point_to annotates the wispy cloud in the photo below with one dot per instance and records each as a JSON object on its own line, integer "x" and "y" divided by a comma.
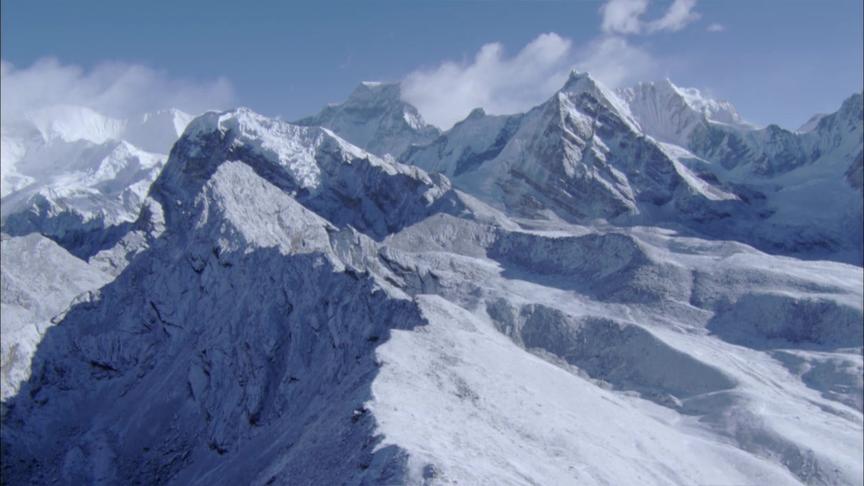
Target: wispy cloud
{"x": 503, "y": 84}
{"x": 114, "y": 89}
{"x": 492, "y": 80}
{"x": 616, "y": 62}
{"x": 678, "y": 16}
{"x": 625, "y": 17}
{"x": 716, "y": 28}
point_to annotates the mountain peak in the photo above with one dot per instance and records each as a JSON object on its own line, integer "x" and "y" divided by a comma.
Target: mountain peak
{"x": 375, "y": 118}
{"x": 665, "y": 91}
{"x": 477, "y": 113}
{"x": 71, "y": 123}
{"x": 376, "y": 92}
{"x": 580, "y": 82}
{"x": 156, "y": 131}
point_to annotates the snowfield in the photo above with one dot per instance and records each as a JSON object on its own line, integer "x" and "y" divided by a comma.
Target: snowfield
{"x": 609, "y": 289}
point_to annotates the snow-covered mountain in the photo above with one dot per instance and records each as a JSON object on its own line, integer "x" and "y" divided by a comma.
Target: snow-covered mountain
{"x": 70, "y": 172}
{"x": 81, "y": 179}
{"x": 375, "y": 118}
{"x": 554, "y": 297}
{"x": 671, "y": 114}
{"x": 584, "y": 155}
{"x": 580, "y": 156}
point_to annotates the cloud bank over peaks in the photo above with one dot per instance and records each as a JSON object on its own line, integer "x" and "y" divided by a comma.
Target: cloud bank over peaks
{"x": 502, "y": 84}
{"x": 113, "y": 89}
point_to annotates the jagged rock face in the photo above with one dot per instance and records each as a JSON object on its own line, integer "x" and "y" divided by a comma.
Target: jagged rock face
{"x": 584, "y": 155}
{"x": 578, "y": 155}
{"x": 39, "y": 280}
{"x": 337, "y": 180}
{"x": 773, "y": 151}
{"x": 376, "y": 119}
{"x": 254, "y": 353}
{"x": 466, "y": 146}
{"x": 764, "y": 152}
{"x": 715, "y": 131}
{"x": 786, "y": 169}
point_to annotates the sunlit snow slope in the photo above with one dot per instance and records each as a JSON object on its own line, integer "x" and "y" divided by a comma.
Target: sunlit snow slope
{"x": 555, "y": 297}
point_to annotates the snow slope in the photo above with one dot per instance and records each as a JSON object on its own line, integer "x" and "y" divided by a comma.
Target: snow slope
{"x": 580, "y": 305}
{"x": 308, "y": 313}
{"x": 671, "y": 114}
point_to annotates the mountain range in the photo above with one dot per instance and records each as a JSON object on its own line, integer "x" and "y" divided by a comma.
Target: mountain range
{"x": 614, "y": 287}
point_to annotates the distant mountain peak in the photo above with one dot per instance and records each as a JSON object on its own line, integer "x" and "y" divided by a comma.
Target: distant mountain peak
{"x": 581, "y": 82}
{"x": 719, "y": 111}
{"x": 477, "y": 113}
{"x": 375, "y": 118}
{"x": 376, "y": 92}
{"x": 671, "y": 113}
{"x": 70, "y": 123}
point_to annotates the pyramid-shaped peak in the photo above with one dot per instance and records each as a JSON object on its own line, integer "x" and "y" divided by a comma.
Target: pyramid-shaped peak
{"x": 582, "y": 82}
{"x": 375, "y": 118}
{"x": 579, "y": 81}
{"x": 376, "y": 90}
{"x": 477, "y": 113}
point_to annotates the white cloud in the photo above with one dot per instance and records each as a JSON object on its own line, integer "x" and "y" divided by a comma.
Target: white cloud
{"x": 500, "y": 84}
{"x": 616, "y": 63}
{"x": 625, "y": 17}
{"x": 114, "y": 89}
{"x": 680, "y": 14}
{"x": 716, "y": 28}
{"x": 491, "y": 80}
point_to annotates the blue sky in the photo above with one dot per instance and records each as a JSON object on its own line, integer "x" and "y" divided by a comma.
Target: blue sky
{"x": 776, "y": 60}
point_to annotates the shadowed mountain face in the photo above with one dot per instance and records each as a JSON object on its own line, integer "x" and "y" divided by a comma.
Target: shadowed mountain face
{"x": 554, "y": 297}
{"x": 253, "y": 344}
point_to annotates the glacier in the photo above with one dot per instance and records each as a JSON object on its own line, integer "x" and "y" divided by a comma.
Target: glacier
{"x": 615, "y": 287}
